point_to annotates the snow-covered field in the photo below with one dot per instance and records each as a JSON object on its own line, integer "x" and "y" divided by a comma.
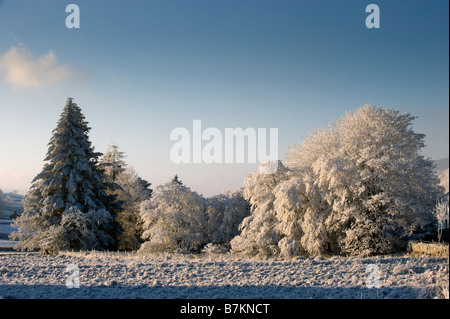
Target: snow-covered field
{"x": 112, "y": 275}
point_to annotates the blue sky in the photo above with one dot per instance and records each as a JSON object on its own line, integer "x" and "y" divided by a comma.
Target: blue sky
{"x": 139, "y": 69}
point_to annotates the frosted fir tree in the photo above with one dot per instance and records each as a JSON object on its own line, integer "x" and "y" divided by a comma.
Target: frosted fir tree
{"x": 130, "y": 191}
{"x": 112, "y": 162}
{"x": 176, "y": 180}
{"x": 70, "y": 190}
{"x": 174, "y": 219}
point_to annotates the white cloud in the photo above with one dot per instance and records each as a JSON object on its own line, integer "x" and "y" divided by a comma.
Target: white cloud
{"x": 21, "y": 69}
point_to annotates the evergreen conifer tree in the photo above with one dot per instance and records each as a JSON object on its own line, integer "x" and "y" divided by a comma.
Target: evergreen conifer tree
{"x": 130, "y": 190}
{"x": 113, "y": 163}
{"x": 67, "y": 206}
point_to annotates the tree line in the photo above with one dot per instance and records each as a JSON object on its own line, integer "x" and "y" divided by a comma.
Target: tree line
{"x": 357, "y": 187}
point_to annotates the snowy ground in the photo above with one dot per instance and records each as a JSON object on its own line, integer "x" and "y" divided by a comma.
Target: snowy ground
{"x": 103, "y": 275}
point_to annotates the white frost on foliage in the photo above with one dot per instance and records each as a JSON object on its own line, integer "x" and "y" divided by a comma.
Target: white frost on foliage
{"x": 68, "y": 191}
{"x": 225, "y": 212}
{"x": 354, "y": 188}
{"x": 173, "y": 219}
{"x": 374, "y": 184}
{"x": 259, "y": 235}
{"x": 84, "y": 229}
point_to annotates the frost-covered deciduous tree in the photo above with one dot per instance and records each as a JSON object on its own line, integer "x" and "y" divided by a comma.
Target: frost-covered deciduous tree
{"x": 278, "y": 205}
{"x": 69, "y": 184}
{"x": 367, "y": 183}
{"x": 259, "y": 234}
{"x": 440, "y": 213}
{"x": 225, "y": 212}
{"x": 290, "y": 206}
{"x": 174, "y": 219}
{"x": 355, "y": 188}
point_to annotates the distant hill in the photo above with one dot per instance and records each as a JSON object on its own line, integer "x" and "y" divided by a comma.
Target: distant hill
{"x": 442, "y": 164}
{"x": 14, "y": 196}
{"x": 12, "y": 204}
